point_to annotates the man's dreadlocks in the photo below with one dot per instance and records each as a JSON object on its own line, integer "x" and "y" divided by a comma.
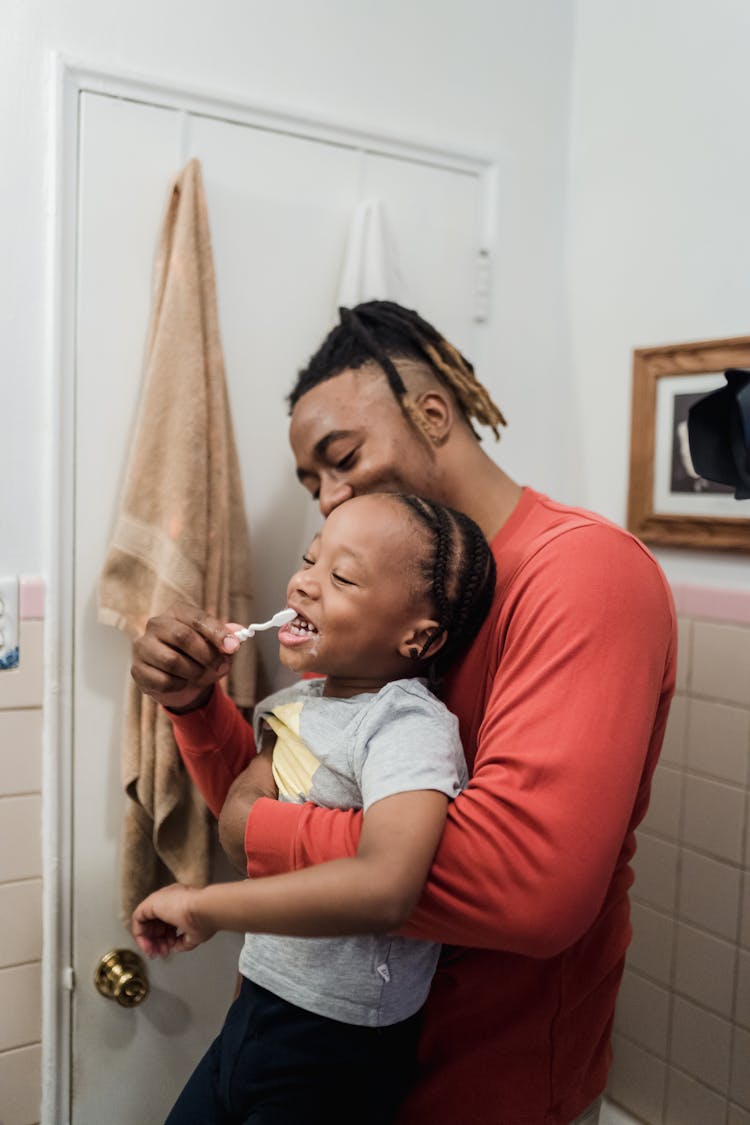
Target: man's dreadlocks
{"x": 381, "y": 332}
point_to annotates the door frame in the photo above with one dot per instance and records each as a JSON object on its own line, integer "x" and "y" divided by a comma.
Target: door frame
{"x": 69, "y": 79}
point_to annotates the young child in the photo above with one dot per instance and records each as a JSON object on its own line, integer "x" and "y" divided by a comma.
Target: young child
{"x": 326, "y": 1024}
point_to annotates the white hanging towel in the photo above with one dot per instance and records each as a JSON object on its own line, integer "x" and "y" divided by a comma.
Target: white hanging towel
{"x": 371, "y": 267}
{"x": 371, "y": 272}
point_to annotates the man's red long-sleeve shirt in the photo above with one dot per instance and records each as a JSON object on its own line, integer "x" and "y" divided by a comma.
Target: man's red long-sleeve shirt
{"x": 562, "y": 702}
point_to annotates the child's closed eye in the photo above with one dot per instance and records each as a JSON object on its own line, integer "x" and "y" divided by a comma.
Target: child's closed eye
{"x": 340, "y": 578}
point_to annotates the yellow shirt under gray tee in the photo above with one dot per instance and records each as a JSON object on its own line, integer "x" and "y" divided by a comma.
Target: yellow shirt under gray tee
{"x": 349, "y": 753}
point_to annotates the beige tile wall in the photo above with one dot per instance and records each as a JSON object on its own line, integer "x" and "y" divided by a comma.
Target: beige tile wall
{"x": 21, "y": 881}
{"x": 682, "y": 1029}
{"x": 682, "y": 1032}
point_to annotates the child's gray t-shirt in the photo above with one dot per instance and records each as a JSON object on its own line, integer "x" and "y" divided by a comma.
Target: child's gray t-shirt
{"x": 361, "y": 749}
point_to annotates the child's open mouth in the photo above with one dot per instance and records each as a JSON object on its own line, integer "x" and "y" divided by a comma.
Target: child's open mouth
{"x": 297, "y": 631}
{"x": 302, "y": 625}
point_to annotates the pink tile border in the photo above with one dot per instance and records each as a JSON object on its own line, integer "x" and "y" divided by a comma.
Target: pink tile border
{"x": 712, "y": 603}
{"x": 691, "y": 601}
{"x": 31, "y": 598}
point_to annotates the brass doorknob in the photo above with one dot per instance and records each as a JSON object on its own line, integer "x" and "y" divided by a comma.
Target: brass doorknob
{"x": 121, "y": 976}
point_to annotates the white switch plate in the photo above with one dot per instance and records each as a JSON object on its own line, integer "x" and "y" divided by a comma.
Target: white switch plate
{"x": 9, "y": 622}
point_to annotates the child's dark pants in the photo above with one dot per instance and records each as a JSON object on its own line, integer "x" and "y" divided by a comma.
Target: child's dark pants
{"x": 276, "y": 1064}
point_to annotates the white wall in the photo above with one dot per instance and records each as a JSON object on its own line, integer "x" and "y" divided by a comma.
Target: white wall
{"x": 659, "y": 230}
{"x": 482, "y": 74}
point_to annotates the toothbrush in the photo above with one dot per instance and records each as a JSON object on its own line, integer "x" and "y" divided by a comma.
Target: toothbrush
{"x": 283, "y": 617}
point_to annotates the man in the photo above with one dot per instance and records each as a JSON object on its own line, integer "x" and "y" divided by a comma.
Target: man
{"x": 562, "y": 702}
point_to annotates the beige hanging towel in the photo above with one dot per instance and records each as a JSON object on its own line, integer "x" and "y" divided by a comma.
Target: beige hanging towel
{"x": 181, "y": 534}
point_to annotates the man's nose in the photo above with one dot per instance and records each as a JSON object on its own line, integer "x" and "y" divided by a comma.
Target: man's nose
{"x": 333, "y": 493}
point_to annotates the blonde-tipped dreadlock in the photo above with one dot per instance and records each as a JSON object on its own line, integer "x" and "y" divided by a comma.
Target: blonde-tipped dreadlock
{"x": 382, "y": 331}
{"x": 473, "y": 396}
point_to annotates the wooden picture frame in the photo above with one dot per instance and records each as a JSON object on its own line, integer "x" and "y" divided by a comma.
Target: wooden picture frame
{"x": 668, "y": 505}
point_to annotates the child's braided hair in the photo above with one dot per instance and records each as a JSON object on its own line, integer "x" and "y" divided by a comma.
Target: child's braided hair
{"x": 460, "y": 576}
{"x": 382, "y": 331}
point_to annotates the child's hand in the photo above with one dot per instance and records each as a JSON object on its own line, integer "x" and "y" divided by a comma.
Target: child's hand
{"x": 166, "y": 922}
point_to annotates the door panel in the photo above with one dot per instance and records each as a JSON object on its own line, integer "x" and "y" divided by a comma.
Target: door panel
{"x": 434, "y": 215}
{"x": 120, "y": 1065}
{"x": 279, "y": 208}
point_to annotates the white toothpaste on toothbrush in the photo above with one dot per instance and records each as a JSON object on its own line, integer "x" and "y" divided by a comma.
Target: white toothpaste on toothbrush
{"x": 283, "y": 617}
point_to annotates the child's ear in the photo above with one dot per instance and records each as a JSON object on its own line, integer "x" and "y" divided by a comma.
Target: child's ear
{"x": 419, "y": 635}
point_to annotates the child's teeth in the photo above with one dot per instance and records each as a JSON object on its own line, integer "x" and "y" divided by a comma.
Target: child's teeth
{"x": 301, "y": 627}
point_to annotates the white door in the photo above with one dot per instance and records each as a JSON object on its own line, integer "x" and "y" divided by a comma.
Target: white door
{"x": 279, "y": 207}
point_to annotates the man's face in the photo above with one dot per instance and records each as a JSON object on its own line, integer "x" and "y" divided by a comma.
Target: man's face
{"x": 350, "y": 437}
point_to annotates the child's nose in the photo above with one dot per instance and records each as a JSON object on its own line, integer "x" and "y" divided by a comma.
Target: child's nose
{"x": 304, "y": 582}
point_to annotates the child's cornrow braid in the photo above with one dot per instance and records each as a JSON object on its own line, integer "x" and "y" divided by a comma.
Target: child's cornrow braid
{"x": 382, "y": 331}
{"x": 443, "y": 530}
{"x": 477, "y": 545}
{"x": 476, "y": 580}
{"x": 462, "y": 576}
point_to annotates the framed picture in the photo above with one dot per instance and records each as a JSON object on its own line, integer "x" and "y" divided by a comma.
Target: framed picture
{"x": 668, "y": 503}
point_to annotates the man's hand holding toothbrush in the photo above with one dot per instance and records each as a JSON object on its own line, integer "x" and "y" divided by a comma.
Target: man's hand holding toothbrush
{"x": 181, "y": 655}
{"x": 184, "y": 651}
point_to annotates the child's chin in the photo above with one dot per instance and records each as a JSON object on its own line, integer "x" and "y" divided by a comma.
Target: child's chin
{"x": 297, "y": 661}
